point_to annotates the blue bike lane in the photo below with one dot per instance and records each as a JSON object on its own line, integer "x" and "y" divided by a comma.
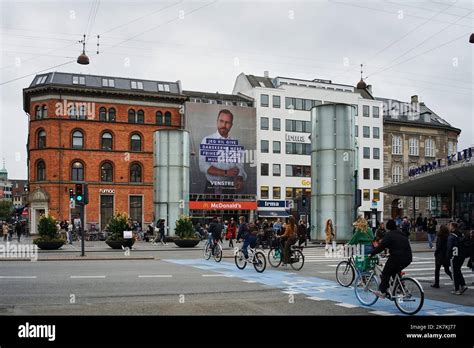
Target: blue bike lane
{"x": 318, "y": 289}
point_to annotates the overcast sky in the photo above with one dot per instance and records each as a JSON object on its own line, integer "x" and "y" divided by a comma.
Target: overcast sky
{"x": 407, "y": 47}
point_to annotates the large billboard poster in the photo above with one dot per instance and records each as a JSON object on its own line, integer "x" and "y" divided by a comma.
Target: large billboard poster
{"x": 223, "y": 148}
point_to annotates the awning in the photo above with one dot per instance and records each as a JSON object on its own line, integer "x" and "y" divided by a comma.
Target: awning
{"x": 273, "y": 213}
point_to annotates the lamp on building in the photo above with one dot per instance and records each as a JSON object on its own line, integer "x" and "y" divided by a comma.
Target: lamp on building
{"x": 83, "y": 59}
{"x": 471, "y": 38}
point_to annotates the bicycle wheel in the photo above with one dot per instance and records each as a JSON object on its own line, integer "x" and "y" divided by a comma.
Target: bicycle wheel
{"x": 345, "y": 273}
{"x": 296, "y": 259}
{"x": 218, "y": 253}
{"x": 207, "y": 251}
{"x": 239, "y": 259}
{"x": 409, "y": 296}
{"x": 364, "y": 287}
{"x": 274, "y": 257}
{"x": 259, "y": 262}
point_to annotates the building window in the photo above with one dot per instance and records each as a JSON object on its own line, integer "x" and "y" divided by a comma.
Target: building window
{"x": 276, "y": 101}
{"x": 77, "y": 171}
{"x": 38, "y": 112}
{"x": 131, "y": 116}
{"x": 264, "y": 169}
{"x": 376, "y": 132}
{"x": 366, "y": 152}
{"x": 106, "y": 141}
{"x": 40, "y": 171}
{"x": 429, "y": 148}
{"x": 159, "y": 118}
{"x": 376, "y": 195}
{"x": 78, "y": 80}
{"x": 396, "y": 174}
{"x": 276, "y": 124}
{"x": 102, "y": 114}
{"x": 289, "y": 192}
{"x": 135, "y": 173}
{"x": 356, "y": 109}
{"x": 376, "y": 174}
{"x": 289, "y": 103}
{"x": 396, "y": 145}
{"x": 298, "y": 171}
{"x": 136, "y": 209}
{"x": 375, "y": 112}
{"x": 106, "y": 210}
{"x": 376, "y": 153}
{"x": 72, "y": 112}
{"x": 135, "y": 142}
{"x": 276, "y": 170}
{"x": 163, "y": 87}
{"x": 108, "y": 83}
{"x": 298, "y": 126}
{"x": 366, "y": 173}
{"x": 137, "y": 85}
{"x": 140, "y": 117}
{"x": 276, "y": 192}
{"x": 413, "y": 148}
{"x": 41, "y": 139}
{"x": 451, "y": 148}
{"x": 365, "y": 111}
{"x": 264, "y": 100}
{"x": 276, "y": 147}
{"x": 264, "y": 123}
{"x": 111, "y": 115}
{"x": 264, "y": 146}
{"x": 298, "y": 149}
{"x": 356, "y": 131}
{"x": 366, "y": 132}
{"x": 167, "y": 118}
{"x": 264, "y": 192}
{"x": 366, "y": 195}
{"x": 106, "y": 172}
{"x": 77, "y": 140}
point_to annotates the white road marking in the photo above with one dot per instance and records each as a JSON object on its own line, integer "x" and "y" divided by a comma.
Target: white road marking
{"x": 346, "y": 305}
{"x": 88, "y": 277}
{"x": 381, "y": 313}
{"x": 155, "y": 276}
{"x": 249, "y": 281}
{"x": 314, "y": 298}
{"x": 18, "y": 277}
{"x": 217, "y": 275}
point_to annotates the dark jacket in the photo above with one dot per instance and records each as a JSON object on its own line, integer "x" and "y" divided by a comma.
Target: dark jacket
{"x": 215, "y": 228}
{"x": 301, "y": 231}
{"x": 454, "y": 241}
{"x": 440, "y": 253}
{"x": 398, "y": 244}
{"x": 243, "y": 232}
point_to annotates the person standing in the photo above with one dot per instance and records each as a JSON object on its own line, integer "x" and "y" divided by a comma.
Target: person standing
{"x": 456, "y": 255}
{"x": 419, "y": 223}
{"x": 18, "y": 230}
{"x": 69, "y": 231}
{"x": 379, "y": 234}
{"x": 5, "y": 231}
{"x": 405, "y": 226}
{"x": 231, "y": 232}
{"x": 441, "y": 252}
{"x": 330, "y": 233}
{"x": 302, "y": 234}
{"x": 431, "y": 229}
{"x": 161, "y": 230}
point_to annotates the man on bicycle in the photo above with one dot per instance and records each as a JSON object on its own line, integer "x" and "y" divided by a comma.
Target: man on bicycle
{"x": 215, "y": 231}
{"x": 245, "y": 234}
{"x": 400, "y": 257}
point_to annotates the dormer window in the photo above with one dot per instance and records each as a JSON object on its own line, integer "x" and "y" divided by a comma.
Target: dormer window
{"x": 108, "y": 83}
{"x": 163, "y": 87}
{"x": 137, "y": 85}
{"x": 78, "y": 80}
{"x": 41, "y": 79}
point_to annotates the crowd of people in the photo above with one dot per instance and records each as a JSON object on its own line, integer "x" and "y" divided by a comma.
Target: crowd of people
{"x": 8, "y": 230}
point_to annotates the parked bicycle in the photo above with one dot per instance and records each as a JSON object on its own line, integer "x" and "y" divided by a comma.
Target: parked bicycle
{"x": 275, "y": 255}
{"x": 406, "y": 292}
{"x": 215, "y": 251}
{"x": 256, "y": 257}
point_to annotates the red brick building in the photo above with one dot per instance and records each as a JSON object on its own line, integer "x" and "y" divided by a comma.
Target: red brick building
{"x": 97, "y": 130}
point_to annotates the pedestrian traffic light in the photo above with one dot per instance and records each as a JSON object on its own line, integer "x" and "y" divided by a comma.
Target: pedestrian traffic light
{"x": 71, "y": 194}
{"x": 79, "y": 194}
{"x": 303, "y": 201}
{"x": 86, "y": 194}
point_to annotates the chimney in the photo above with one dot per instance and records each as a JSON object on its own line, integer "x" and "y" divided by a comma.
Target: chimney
{"x": 414, "y": 99}
{"x": 266, "y": 73}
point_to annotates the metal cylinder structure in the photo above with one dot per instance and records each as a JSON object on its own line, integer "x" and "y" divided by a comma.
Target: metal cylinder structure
{"x": 332, "y": 169}
{"x": 170, "y": 175}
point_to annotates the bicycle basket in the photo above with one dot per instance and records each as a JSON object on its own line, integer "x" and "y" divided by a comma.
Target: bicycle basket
{"x": 365, "y": 263}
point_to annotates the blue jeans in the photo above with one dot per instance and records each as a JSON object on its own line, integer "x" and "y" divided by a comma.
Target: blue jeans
{"x": 250, "y": 240}
{"x": 431, "y": 238}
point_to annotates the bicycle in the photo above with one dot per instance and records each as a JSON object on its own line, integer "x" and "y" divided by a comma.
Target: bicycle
{"x": 345, "y": 272}
{"x": 216, "y": 251}
{"x": 255, "y": 257}
{"x": 275, "y": 256}
{"x": 402, "y": 290}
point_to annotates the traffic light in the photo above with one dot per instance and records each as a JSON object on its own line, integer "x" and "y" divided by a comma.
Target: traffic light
{"x": 71, "y": 194}
{"x": 79, "y": 194}
{"x": 86, "y": 194}
{"x": 303, "y": 201}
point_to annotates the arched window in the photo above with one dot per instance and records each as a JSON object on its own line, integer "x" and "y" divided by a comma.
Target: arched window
{"x": 82, "y": 112}
{"x": 131, "y": 116}
{"x": 396, "y": 145}
{"x": 413, "y": 148}
{"x": 72, "y": 111}
{"x": 135, "y": 142}
{"x": 40, "y": 171}
{"x": 38, "y": 112}
{"x": 112, "y": 114}
{"x": 77, "y": 140}
{"x": 103, "y": 114}
{"x": 429, "y": 148}
{"x": 140, "y": 116}
{"x": 77, "y": 171}
{"x": 396, "y": 174}
{"x": 159, "y": 118}
{"x": 167, "y": 118}
{"x": 106, "y": 172}
{"x": 41, "y": 139}
{"x": 135, "y": 173}
{"x": 44, "y": 111}
{"x": 106, "y": 141}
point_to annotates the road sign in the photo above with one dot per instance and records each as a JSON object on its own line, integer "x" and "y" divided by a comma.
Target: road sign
{"x": 72, "y": 203}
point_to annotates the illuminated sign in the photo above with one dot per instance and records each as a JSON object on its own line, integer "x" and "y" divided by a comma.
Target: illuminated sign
{"x": 222, "y": 205}
{"x": 461, "y": 156}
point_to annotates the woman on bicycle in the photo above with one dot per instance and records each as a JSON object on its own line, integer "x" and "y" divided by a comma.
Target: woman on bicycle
{"x": 288, "y": 239}
{"x": 400, "y": 257}
{"x": 363, "y": 235}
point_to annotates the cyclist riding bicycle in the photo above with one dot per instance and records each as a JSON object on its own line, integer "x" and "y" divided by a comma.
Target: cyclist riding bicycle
{"x": 288, "y": 239}
{"x": 215, "y": 231}
{"x": 400, "y": 257}
{"x": 249, "y": 238}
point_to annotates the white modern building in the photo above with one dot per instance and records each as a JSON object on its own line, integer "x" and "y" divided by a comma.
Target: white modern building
{"x": 283, "y": 135}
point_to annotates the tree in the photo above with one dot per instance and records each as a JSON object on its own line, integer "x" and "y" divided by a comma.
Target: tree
{"x": 6, "y": 208}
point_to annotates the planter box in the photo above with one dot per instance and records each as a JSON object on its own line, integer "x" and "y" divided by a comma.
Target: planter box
{"x": 118, "y": 244}
{"x": 49, "y": 245}
{"x": 186, "y": 243}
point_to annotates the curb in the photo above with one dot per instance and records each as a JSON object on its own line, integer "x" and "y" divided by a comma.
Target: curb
{"x": 86, "y": 259}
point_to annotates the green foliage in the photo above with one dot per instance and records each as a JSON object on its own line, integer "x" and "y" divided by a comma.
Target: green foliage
{"x": 6, "y": 208}
{"x": 47, "y": 230}
{"x": 116, "y": 226}
{"x": 184, "y": 228}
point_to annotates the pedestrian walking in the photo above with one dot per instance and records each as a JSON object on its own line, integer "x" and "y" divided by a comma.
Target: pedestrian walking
{"x": 419, "y": 223}
{"x": 69, "y": 231}
{"x": 470, "y": 263}
{"x": 441, "y": 255}
{"x": 5, "y": 231}
{"x": 18, "y": 230}
{"x": 231, "y": 232}
{"x": 456, "y": 254}
{"x": 406, "y": 226}
{"x": 161, "y": 229}
{"x": 330, "y": 233}
{"x": 431, "y": 229}
{"x": 301, "y": 232}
